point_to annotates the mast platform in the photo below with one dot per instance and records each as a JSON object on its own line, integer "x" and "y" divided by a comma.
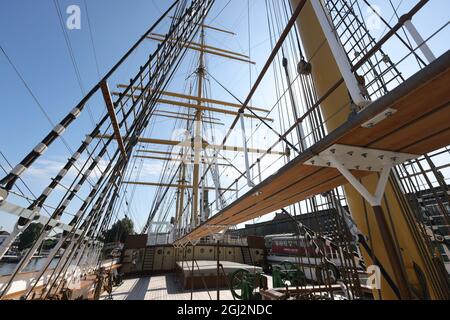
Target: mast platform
{"x": 418, "y": 125}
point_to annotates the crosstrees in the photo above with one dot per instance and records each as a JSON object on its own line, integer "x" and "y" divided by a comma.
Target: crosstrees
{"x": 204, "y": 145}
{"x": 203, "y": 99}
{"x": 202, "y": 108}
{"x": 207, "y": 49}
{"x": 205, "y": 46}
{"x": 157, "y": 184}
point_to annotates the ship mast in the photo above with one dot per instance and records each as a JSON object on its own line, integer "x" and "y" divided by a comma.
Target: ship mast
{"x": 198, "y": 132}
{"x": 313, "y": 17}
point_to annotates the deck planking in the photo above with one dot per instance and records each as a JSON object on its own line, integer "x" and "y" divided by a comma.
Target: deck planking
{"x": 161, "y": 287}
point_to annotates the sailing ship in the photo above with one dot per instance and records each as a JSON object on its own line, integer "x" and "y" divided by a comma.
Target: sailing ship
{"x": 358, "y": 127}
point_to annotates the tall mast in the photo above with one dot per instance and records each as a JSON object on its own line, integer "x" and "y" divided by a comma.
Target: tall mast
{"x": 180, "y": 195}
{"x": 198, "y": 132}
{"x": 201, "y": 104}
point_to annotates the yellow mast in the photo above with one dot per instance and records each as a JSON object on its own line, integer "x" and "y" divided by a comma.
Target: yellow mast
{"x": 394, "y": 237}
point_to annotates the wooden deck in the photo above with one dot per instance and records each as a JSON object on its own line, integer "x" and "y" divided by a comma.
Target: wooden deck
{"x": 163, "y": 287}
{"x": 420, "y": 125}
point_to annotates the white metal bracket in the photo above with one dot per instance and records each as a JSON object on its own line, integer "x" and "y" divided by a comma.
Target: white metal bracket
{"x": 374, "y": 200}
{"x": 421, "y": 43}
{"x": 379, "y": 118}
{"x": 339, "y": 53}
{"x": 346, "y": 158}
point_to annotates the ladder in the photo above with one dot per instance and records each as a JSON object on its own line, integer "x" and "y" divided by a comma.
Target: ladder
{"x": 247, "y": 256}
{"x": 148, "y": 261}
{"x": 378, "y": 71}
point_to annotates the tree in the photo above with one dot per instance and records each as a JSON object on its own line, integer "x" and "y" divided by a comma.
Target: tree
{"x": 29, "y": 236}
{"x": 119, "y": 231}
{"x": 49, "y": 244}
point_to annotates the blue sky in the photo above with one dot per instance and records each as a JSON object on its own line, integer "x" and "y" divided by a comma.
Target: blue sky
{"x": 30, "y": 33}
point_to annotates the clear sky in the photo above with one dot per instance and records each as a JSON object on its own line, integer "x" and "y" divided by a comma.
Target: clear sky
{"x": 31, "y": 34}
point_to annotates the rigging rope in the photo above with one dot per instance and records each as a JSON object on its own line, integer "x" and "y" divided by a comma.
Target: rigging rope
{"x": 72, "y": 56}
{"x": 97, "y": 215}
{"x": 91, "y": 36}
{"x": 38, "y": 103}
